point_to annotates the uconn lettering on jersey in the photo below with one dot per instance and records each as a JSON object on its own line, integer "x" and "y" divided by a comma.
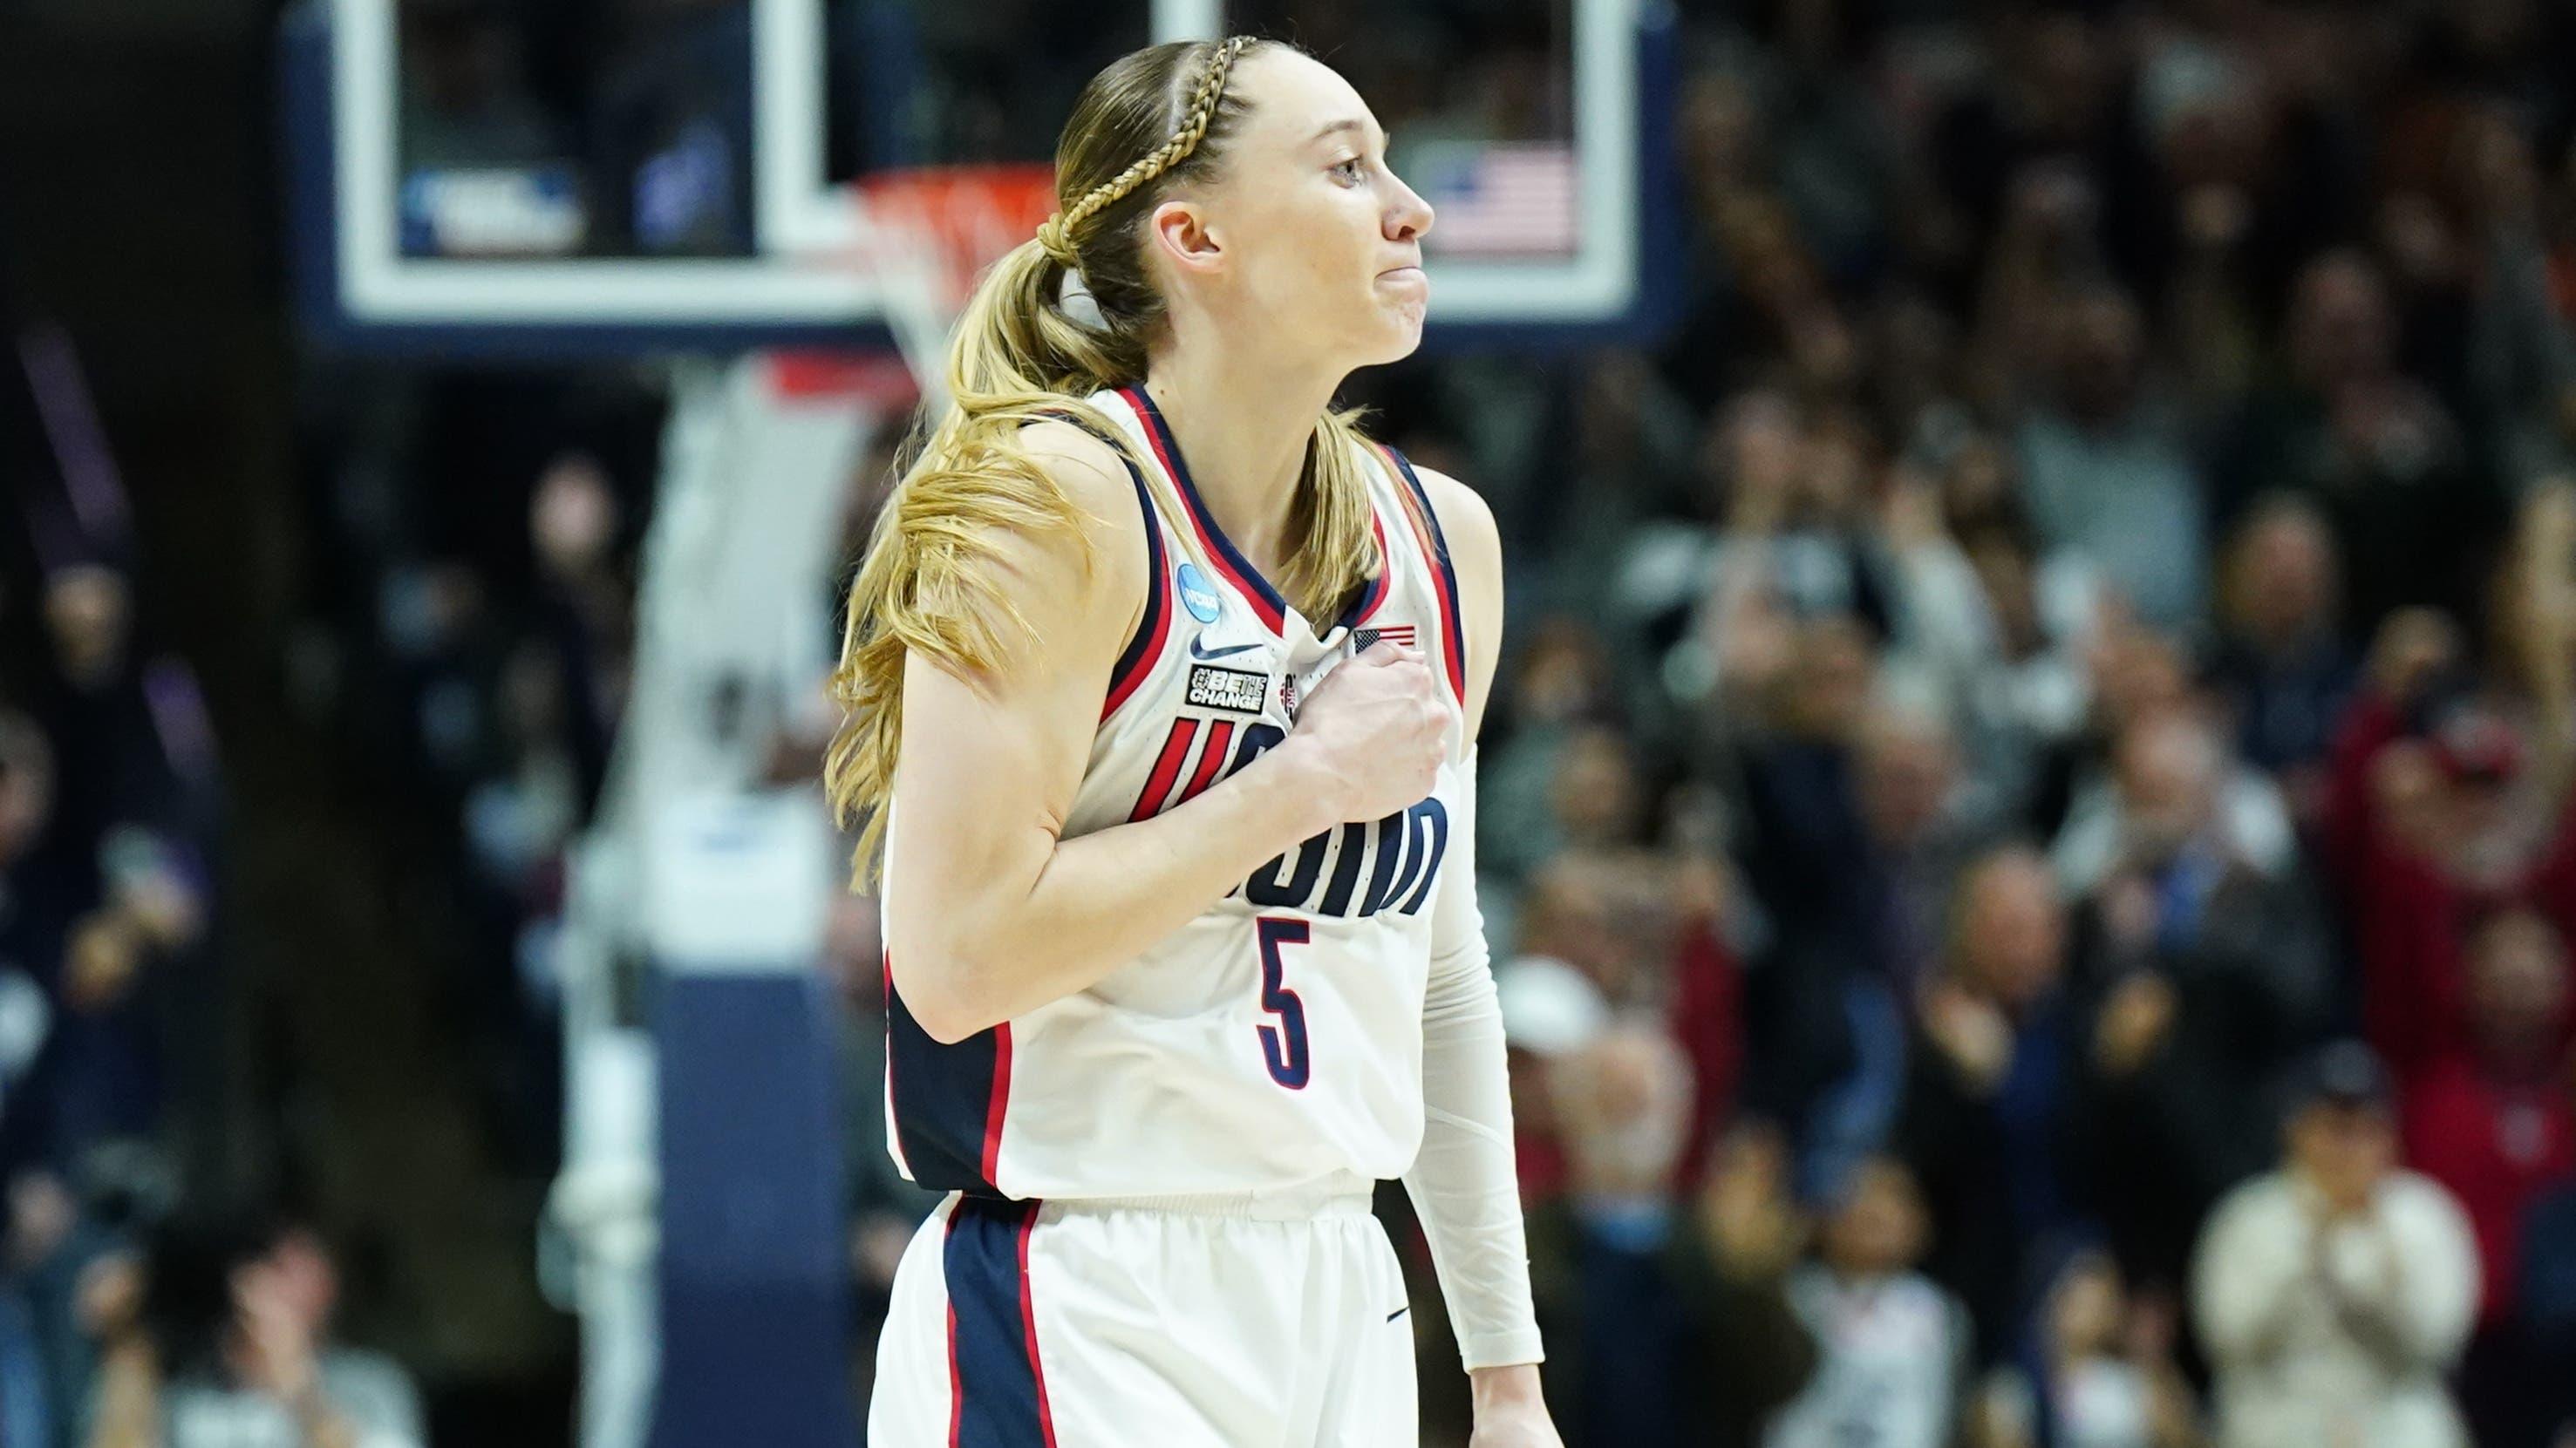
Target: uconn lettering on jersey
{"x": 1354, "y": 870}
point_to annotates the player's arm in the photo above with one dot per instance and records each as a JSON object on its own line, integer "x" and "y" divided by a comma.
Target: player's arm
{"x": 991, "y": 912}
{"x": 1463, "y": 1183}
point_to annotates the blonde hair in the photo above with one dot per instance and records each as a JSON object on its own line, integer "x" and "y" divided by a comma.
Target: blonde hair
{"x": 1152, "y": 121}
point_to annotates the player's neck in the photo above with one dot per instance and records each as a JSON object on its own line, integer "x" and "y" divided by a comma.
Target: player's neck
{"x": 1243, "y": 425}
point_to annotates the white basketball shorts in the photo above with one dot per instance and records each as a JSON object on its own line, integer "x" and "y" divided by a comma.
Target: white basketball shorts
{"x": 1185, "y": 1322}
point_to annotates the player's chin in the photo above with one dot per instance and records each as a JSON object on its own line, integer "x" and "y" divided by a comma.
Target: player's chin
{"x": 1398, "y": 329}
{"x": 1404, "y": 344}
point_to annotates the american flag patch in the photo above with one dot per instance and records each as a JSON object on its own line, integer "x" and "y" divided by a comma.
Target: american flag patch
{"x": 1394, "y": 633}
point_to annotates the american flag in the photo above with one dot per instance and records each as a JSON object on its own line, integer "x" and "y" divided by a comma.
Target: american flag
{"x": 1498, "y": 199}
{"x": 1394, "y": 633}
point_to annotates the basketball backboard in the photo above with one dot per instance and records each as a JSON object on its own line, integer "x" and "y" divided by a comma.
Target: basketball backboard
{"x": 475, "y": 178}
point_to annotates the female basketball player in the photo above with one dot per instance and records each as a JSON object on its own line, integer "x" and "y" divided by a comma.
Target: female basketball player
{"x": 1183, "y": 674}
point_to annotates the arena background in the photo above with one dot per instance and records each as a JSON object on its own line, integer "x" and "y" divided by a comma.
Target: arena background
{"x": 2042, "y": 552}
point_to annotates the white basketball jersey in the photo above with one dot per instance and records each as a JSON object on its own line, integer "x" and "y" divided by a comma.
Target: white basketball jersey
{"x": 1276, "y": 1039}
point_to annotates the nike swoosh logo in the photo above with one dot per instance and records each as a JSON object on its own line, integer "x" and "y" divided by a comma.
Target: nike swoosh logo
{"x": 1199, "y": 653}
{"x": 1399, "y": 1312}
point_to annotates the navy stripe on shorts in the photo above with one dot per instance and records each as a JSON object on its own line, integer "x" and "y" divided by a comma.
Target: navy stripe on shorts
{"x": 999, "y": 1389}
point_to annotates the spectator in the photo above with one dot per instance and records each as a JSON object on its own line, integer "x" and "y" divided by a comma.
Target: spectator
{"x": 2283, "y": 665}
{"x": 2173, "y": 791}
{"x": 1583, "y": 911}
{"x": 1735, "y": 1270}
{"x": 1922, "y": 823}
{"x": 2211, "y": 972}
{"x": 1561, "y": 684}
{"x": 1859, "y": 829}
{"x": 1892, "y": 1347}
{"x": 1550, "y": 1010}
{"x": 2334, "y": 1293}
{"x": 1631, "y": 441}
{"x": 2102, "y": 1374}
{"x": 225, "y": 1341}
{"x": 2492, "y": 1122}
{"x": 2373, "y": 448}
{"x": 1806, "y": 851}
{"x": 1989, "y": 1105}
{"x": 1705, "y": 1004}
{"x": 1824, "y": 1006}
{"x": 2494, "y": 1125}
{"x": 2517, "y": 357}
{"x": 2030, "y": 704}
{"x": 36, "y": 910}
{"x": 2110, "y": 474}
{"x": 2422, "y": 831}
{"x": 1796, "y": 538}
{"x": 1624, "y": 1371}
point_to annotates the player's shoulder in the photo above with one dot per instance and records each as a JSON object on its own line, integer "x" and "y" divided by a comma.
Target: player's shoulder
{"x": 1083, "y": 579}
{"x": 1082, "y": 463}
{"x": 1475, "y": 547}
{"x": 1466, "y": 522}
{"x": 1467, "y": 529}
{"x": 1091, "y": 475}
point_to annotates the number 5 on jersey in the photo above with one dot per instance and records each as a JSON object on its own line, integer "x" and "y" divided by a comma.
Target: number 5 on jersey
{"x": 1283, "y": 1047}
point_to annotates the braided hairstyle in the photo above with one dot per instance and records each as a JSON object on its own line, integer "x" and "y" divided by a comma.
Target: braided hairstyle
{"x": 1056, "y": 236}
{"x": 1155, "y": 120}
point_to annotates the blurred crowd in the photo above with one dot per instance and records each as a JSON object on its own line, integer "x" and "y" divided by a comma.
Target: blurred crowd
{"x": 141, "y": 1306}
{"x": 2028, "y": 826}
{"x": 2026, "y": 823}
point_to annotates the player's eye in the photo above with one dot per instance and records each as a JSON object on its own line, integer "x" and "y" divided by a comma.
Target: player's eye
{"x": 1348, "y": 170}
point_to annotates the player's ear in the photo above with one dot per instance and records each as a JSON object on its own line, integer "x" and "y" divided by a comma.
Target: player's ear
{"x": 1180, "y": 231}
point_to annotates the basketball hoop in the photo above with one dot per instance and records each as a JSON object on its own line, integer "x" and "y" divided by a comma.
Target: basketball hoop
{"x": 926, "y": 235}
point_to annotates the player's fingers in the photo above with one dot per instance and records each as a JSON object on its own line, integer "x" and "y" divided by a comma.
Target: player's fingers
{"x": 1406, "y": 671}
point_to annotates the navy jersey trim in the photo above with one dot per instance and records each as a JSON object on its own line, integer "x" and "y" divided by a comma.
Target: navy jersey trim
{"x": 1155, "y": 625}
{"x": 1152, "y": 630}
{"x": 1266, "y": 600}
{"x": 949, "y": 1099}
{"x": 1445, "y": 579}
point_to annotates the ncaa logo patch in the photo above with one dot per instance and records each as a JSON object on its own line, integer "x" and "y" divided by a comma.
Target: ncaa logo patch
{"x": 1196, "y": 594}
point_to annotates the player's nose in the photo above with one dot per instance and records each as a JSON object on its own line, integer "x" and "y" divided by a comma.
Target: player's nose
{"x": 1408, "y": 217}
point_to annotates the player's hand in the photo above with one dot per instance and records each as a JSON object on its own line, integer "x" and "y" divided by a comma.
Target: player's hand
{"x": 1374, "y": 732}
